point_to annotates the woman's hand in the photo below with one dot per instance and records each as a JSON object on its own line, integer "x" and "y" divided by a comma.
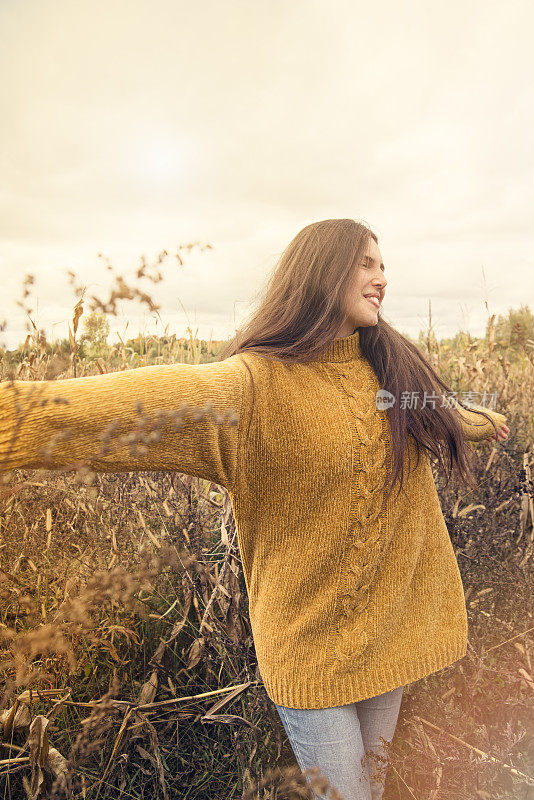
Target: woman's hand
{"x": 502, "y": 433}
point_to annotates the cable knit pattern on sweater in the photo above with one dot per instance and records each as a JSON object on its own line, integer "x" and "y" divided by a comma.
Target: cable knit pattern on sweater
{"x": 350, "y": 594}
{"x": 370, "y": 449}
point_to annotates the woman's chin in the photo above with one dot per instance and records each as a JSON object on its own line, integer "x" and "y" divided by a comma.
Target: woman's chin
{"x": 368, "y": 323}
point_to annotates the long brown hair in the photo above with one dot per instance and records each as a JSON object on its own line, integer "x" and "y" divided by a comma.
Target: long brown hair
{"x": 301, "y": 311}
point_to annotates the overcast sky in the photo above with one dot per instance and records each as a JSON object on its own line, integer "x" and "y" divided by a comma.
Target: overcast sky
{"x": 131, "y": 127}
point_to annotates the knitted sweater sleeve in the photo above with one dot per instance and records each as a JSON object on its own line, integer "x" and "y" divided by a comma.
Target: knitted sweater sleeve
{"x": 183, "y": 417}
{"x": 477, "y": 427}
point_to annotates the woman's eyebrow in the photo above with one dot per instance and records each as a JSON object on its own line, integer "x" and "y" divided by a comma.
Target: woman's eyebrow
{"x": 372, "y": 259}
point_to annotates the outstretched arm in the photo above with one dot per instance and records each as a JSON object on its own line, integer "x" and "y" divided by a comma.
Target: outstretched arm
{"x": 476, "y": 427}
{"x": 97, "y": 420}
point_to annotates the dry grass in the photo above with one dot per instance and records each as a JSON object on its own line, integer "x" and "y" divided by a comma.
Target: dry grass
{"x": 126, "y": 651}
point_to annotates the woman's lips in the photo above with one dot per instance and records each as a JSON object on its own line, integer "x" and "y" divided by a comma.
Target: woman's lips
{"x": 374, "y": 301}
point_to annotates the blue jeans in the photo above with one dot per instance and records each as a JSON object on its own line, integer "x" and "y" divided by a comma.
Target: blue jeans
{"x": 336, "y": 740}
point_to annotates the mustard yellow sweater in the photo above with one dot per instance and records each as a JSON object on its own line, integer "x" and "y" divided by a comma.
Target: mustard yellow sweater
{"x": 350, "y": 595}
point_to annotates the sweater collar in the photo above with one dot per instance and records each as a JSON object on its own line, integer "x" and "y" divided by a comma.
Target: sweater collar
{"x": 346, "y": 348}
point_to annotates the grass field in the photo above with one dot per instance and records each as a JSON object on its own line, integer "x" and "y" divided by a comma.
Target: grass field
{"x": 127, "y": 660}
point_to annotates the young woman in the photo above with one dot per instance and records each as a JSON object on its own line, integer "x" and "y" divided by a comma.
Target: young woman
{"x": 354, "y": 590}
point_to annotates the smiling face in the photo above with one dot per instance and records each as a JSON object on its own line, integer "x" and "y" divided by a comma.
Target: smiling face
{"x": 361, "y": 307}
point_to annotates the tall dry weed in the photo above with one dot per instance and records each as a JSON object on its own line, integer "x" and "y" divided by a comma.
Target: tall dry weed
{"x": 126, "y": 650}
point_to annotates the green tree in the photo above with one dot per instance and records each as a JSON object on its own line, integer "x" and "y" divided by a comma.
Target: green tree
{"x": 95, "y": 334}
{"x": 516, "y": 328}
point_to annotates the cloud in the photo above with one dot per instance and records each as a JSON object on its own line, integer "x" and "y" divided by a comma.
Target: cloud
{"x": 239, "y": 123}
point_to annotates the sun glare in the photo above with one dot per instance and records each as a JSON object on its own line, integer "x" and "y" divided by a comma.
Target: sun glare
{"x": 157, "y": 160}
{"x": 161, "y": 161}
